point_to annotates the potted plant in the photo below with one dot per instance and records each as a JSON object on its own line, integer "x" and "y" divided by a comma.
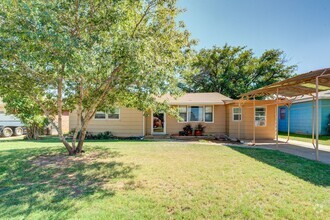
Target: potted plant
{"x": 199, "y": 130}
{"x": 188, "y": 130}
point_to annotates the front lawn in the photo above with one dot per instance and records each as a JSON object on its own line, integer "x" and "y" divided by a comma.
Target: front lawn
{"x": 324, "y": 139}
{"x": 159, "y": 180}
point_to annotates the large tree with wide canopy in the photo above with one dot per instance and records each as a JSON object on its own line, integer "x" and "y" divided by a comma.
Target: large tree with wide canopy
{"x": 89, "y": 55}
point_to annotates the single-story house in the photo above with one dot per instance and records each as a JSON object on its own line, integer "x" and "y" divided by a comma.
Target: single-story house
{"x": 218, "y": 113}
{"x": 301, "y": 111}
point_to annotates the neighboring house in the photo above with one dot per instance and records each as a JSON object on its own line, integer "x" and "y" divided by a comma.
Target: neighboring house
{"x": 220, "y": 115}
{"x": 12, "y": 121}
{"x": 301, "y": 115}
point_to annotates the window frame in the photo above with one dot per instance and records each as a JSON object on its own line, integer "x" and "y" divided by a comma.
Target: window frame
{"x": 186, "y": 120}
{"x": 203, "y": 114}
{"x": 265, "y": 107}
{"x": 199, "y": 107}
{"x": 233, "y": 114}
{"x": 99, "y": 112}
{"x": 107, "y": 116}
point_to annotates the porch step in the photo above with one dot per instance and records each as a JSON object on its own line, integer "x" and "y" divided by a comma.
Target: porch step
{"x": 209, "y": 137}
{"x": 157, "y": 137}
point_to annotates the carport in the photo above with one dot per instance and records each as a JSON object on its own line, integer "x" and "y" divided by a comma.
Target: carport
{"x": 310, "y": 83}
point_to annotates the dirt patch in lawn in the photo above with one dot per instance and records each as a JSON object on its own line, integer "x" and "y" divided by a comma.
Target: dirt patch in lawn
{"x": 80, "y": 174}
{"x": 63, "y": 160}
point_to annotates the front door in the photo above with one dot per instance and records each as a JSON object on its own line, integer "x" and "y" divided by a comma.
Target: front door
{"x": 158, "y": 123}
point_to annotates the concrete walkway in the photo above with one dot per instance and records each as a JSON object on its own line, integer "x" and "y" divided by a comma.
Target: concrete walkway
{"x": 298, "y": 148}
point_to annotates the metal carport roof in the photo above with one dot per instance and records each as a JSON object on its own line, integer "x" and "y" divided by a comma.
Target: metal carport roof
{"x": 310, "y": 83}
{"x": 303, "y": 84}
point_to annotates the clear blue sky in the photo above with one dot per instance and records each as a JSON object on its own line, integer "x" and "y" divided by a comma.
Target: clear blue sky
{"x": 301, "y": 28}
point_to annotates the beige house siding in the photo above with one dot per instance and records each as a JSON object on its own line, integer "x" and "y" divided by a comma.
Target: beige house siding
{"x": 130, "y": 123}
{"x": 244, "y": 129}
{"x": 65, "y": 124}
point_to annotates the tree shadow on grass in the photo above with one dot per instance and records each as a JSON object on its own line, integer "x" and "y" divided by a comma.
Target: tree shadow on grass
{"x": 48, "y": 182}
{"x": 308, "y": 170}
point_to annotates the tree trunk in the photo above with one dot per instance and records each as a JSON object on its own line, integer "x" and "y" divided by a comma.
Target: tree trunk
{"x": 32, "y": 132}
{"x": 79, "y": 115}
{"x": 82, "y": 137}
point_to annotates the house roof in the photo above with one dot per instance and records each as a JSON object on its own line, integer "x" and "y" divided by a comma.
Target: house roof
{"x": 302, "y": 84}
{"x": 306, "y": 98}
{"x": 209, "y": 98}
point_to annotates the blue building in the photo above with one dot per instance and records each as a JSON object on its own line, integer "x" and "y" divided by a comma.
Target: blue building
{"x": 301, "y": 115}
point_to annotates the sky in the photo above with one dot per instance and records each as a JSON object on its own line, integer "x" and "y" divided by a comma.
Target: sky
{"x": 301, "y": 28}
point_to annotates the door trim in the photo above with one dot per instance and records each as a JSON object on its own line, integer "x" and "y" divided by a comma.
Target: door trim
{"x": 152, "y": 124}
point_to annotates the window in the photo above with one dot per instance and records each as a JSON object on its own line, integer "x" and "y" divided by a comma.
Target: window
{"x": 282, "y": 113}
{"x": 195, "y": 113}
{"x": 114, "y": 114}
{"x": 100, "y": 115}
{"x": 237, "y": 114}
{"x": 183, "y": 112}
{"x": 107, "y": 115}
{"x": 208, "y": 113}
{"x": 260, "y": 116}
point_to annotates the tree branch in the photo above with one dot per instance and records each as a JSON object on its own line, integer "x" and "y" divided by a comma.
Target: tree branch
{"x": 151, "y": 4}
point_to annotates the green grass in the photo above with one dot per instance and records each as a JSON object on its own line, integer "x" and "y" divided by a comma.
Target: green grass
{"x": 159, "y": 180}
{"x": 324, "y": 139}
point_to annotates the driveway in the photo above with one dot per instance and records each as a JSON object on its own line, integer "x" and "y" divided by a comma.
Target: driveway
{"x": 298, "y": 148}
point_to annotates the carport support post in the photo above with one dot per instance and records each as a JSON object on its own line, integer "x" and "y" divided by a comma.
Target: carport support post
{"x": 254, "y": 120}
{"x": 289, "y": 107}
{"x": 313, "y": 121}
{"x": 276, "y": 118}
{"x": 239, "y": 123}
{"x": 317, "y": 118}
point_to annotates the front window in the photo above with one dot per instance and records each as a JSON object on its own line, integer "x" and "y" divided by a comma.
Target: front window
{"x": 183, "y": 113}
{"x": 114, "y": 114}
{"x": 196, "y": 113}
{"x": 208, "y": 113}
{"x": 260, "y": 116}
{"x": 237, "y": 114}
{"x": 100, "y": 115}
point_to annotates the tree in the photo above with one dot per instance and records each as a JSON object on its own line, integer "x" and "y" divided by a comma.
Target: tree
{"x": 232, "y": 71}
{"x": 90, "y": 54}
{"x": 26, "y": 110}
